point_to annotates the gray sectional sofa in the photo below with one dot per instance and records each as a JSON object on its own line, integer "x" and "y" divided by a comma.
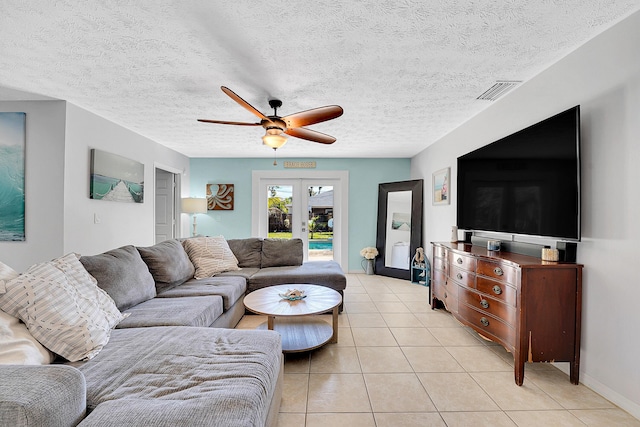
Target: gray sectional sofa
{"x": 173, "y": 361}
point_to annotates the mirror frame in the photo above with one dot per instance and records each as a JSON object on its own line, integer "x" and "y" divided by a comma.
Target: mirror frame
{"x": 416, "y": 187}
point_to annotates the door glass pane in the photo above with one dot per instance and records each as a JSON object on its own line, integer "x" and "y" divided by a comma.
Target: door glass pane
{"x": 320, "y": 209}
{"x": 279, "y": 200}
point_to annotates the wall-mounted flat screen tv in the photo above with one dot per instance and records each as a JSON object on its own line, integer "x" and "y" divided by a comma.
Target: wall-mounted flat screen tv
{"x": 527, "y": 183}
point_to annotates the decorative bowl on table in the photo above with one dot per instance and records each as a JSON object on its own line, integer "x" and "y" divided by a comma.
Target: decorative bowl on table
{"x": 293, "y": 295}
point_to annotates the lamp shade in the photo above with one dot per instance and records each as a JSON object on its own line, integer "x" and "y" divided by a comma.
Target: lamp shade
{"x": 194, "y": 205}
{"x": 274, "y": 138}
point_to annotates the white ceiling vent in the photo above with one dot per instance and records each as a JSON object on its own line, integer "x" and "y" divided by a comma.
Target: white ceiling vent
{"x": 498, "y": 89}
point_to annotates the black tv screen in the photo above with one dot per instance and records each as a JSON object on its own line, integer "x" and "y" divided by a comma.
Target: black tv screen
{"x": 526, "y": 183}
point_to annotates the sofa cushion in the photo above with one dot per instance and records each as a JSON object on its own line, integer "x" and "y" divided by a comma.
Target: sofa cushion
{"x": 210, "y": 255}
{"x": 281, "y": 252}
{"x": 247, "y": 251}
{"x": 18, "y": 346}
{"x": 63, "y": 307}
{"x": 53, "y": 395}
{"x": 245, "y": 273}
{"x": 230, "y": 288}
{"x": 186, "y": 311}
{"x": 177, "y": 376}
{"x": 123, "y": 275}
{"x": 324, "y": 273}
{"x": 168, "y": 263}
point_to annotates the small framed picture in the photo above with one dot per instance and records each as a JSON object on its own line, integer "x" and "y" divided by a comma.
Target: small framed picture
{"x": 441, "y": 187}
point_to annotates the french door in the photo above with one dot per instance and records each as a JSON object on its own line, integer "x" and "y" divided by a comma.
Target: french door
{"x": 309, "y": 205}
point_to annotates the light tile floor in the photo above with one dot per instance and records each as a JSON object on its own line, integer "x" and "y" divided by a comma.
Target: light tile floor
{"x": 399, "y": 363}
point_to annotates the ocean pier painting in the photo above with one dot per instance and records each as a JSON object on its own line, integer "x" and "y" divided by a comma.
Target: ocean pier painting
{"x": 12, "y": 195}
{"x": 116, "y": 178}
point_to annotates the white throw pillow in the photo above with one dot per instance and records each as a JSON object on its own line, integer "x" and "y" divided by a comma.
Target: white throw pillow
{"x": 18, "y": 346}
{"x": 63, "y": 307}
{"x": 210, "y": 256}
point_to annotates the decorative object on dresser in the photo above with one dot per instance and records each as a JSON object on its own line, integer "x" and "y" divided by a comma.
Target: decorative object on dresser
{"x": 529, "y": 306}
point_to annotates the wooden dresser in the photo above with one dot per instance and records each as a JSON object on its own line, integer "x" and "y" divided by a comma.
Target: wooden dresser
{"x": 529, "y": 306}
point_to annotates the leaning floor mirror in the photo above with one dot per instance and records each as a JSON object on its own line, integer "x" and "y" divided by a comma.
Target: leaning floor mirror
{"x": 399, "y": 227}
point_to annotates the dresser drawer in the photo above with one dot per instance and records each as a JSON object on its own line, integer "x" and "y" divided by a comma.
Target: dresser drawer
{"x": 462, "y": 261}
{"x": 488, "y": 305}
{"x": 450, "y": 302}
{"x": 497, "y": 271}
{"x": 486, "y": 324}
{"x": 439, "y": 251}
{"x": 440, "y": 264}
{"x": 495, "y": 289}
{"x": 463, "y": 277}
{"x": 438, "y": 277}
{"x": 451, "y": 288}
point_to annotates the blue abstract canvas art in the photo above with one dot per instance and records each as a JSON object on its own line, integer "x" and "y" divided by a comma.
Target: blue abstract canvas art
{"x": 12, "y": 196}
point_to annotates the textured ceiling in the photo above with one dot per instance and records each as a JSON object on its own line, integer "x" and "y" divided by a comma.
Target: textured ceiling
{"x": 406, "y": 72}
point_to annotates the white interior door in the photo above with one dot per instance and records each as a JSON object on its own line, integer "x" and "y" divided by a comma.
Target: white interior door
{"x": 309, "y": 205}
{"x": 165, "y": 212}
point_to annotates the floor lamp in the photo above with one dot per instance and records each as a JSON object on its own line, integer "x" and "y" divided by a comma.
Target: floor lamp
{"x": 194, "y": 206}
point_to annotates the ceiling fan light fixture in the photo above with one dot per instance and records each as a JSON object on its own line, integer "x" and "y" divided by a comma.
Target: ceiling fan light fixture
{"x": 274, "y": 138}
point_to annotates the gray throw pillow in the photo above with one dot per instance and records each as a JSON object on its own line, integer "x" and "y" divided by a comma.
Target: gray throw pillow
{"x": 123, "y": 275}
{"x": 168, "y": 264}
{"x": 247, "y": 251}
{"x": 281, "y": 252}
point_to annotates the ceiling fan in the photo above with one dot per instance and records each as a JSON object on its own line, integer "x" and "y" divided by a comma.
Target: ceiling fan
{"x": 292, "y": 125}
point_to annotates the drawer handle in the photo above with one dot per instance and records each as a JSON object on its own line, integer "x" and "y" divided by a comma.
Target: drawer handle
{"x": 445, "y": 295}
{"x": 484, "y": 321}
{"x": 498, "y": 271}
{"x": 459, "y": 260}
{"x": 497, "y": 290}
{"x": 484, "y": 303}
{"x": 459, "y": 276}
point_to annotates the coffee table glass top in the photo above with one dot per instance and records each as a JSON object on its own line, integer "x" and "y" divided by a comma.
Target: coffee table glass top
{"x": 268, "y": 301}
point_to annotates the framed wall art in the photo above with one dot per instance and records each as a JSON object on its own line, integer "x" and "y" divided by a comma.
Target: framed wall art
{"x": 116, "y": 178}
{"x": 12, "y": 169}
{"x": 441, "y": 188}
{"x": 220, "y": 197}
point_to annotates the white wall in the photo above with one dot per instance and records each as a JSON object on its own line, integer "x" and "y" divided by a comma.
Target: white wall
{"x": 120, "y": 223}
{"x": 44, "y": 189}
{"x": 59, "y": 213}
{"x": 603, "y": 76}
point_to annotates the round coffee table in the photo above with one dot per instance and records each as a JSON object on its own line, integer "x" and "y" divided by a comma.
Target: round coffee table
{"x": 299, "y": 329}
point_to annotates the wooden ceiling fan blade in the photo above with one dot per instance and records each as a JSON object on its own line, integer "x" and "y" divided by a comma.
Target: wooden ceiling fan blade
{"x": 310, "y": 135}
{"x": 315, "y": 115}
{"x": 243, "y": 103}
{"x": 223, "y": 122}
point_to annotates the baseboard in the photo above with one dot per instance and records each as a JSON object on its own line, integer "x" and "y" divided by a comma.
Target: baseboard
{"x": 613, "y": 396}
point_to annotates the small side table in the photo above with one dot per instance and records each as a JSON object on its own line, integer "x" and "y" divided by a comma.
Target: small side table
{"x": 421, "y": 275}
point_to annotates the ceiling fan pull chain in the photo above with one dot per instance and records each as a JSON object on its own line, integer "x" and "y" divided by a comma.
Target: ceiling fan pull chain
{"x": 275, "y": 157}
